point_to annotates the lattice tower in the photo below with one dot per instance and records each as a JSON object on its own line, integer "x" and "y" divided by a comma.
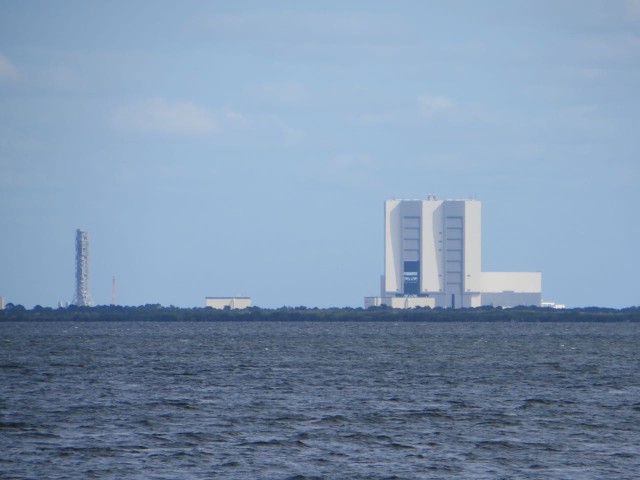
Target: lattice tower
{"x": 82, "y": 297}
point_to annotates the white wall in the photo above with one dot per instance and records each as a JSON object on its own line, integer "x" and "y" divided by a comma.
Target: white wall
{"x": 511, "y": 281}
{"x": 392, "y": 246}
{"x": 399, "y": 302}
{"x": 231, "y": 302}
{"x": 431, "y": 261}
{"x": 472, "y": 246}
{"x": 511, "y": 299}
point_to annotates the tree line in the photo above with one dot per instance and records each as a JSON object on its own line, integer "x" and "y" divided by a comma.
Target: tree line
{"x": 158, "y": 313}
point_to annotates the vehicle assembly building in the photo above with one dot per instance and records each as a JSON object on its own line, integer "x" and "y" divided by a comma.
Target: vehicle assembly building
{"x": 432, "y": 257}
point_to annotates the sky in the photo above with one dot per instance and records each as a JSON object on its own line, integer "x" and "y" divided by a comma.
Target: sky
{"x": 217, "y": 148}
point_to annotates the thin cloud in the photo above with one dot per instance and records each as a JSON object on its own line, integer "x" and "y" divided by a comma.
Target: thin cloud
{"x": 352, "y": 170}
{"x": 620, "y": 47}
{"x": 284, "y": 25}
{"x": 632, "y": 9}
{"x": 428, "y": 106}
{"x": 285, "y": 93}
{"x": 161, "y": 116}
{"x": 373, "y": 119}
{"x": 8, "y": 71}
{"x": 432, "y": 106}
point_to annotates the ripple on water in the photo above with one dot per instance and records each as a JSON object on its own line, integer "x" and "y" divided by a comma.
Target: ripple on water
{"x": 304, "y": 401}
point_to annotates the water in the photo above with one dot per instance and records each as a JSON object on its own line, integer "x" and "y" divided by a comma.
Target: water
{"x": 303, "y": 400}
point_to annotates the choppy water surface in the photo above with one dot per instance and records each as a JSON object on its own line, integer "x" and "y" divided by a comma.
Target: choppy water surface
{"x": 301, "y": 400}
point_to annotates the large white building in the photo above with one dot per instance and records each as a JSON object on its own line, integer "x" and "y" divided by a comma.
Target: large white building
{"x": 233, "y": 303}
{"x": 432, "y": 257}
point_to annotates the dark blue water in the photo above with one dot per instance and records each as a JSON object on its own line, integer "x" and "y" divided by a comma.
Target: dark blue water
{"x": 302, "y": 400}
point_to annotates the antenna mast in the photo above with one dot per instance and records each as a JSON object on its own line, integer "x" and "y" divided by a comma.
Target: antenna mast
{"x": 113, "y": 291}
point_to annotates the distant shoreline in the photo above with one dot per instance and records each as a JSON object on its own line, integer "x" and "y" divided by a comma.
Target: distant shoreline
{"x": 157, "y": 313}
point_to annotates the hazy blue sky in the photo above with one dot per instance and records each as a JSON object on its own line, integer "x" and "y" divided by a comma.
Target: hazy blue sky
{"x": 237, "y": 147}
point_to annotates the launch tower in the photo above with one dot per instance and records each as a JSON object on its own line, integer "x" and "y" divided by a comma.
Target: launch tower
{"x": 82, "y": 297}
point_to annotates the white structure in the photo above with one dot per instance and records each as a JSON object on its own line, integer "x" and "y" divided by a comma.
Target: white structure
{"x": 221, "y": 303}
{"x": 433, "y": 258}
{"x": 557, "y": 306}
{"x": 82, "y": 297}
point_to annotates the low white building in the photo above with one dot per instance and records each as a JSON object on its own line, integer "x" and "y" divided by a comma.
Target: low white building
{"x": 400, "y": 302}
{"x": 220, "y": 303}
{"x": 433, "y": 258}
{"x": 557, "y": 306}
